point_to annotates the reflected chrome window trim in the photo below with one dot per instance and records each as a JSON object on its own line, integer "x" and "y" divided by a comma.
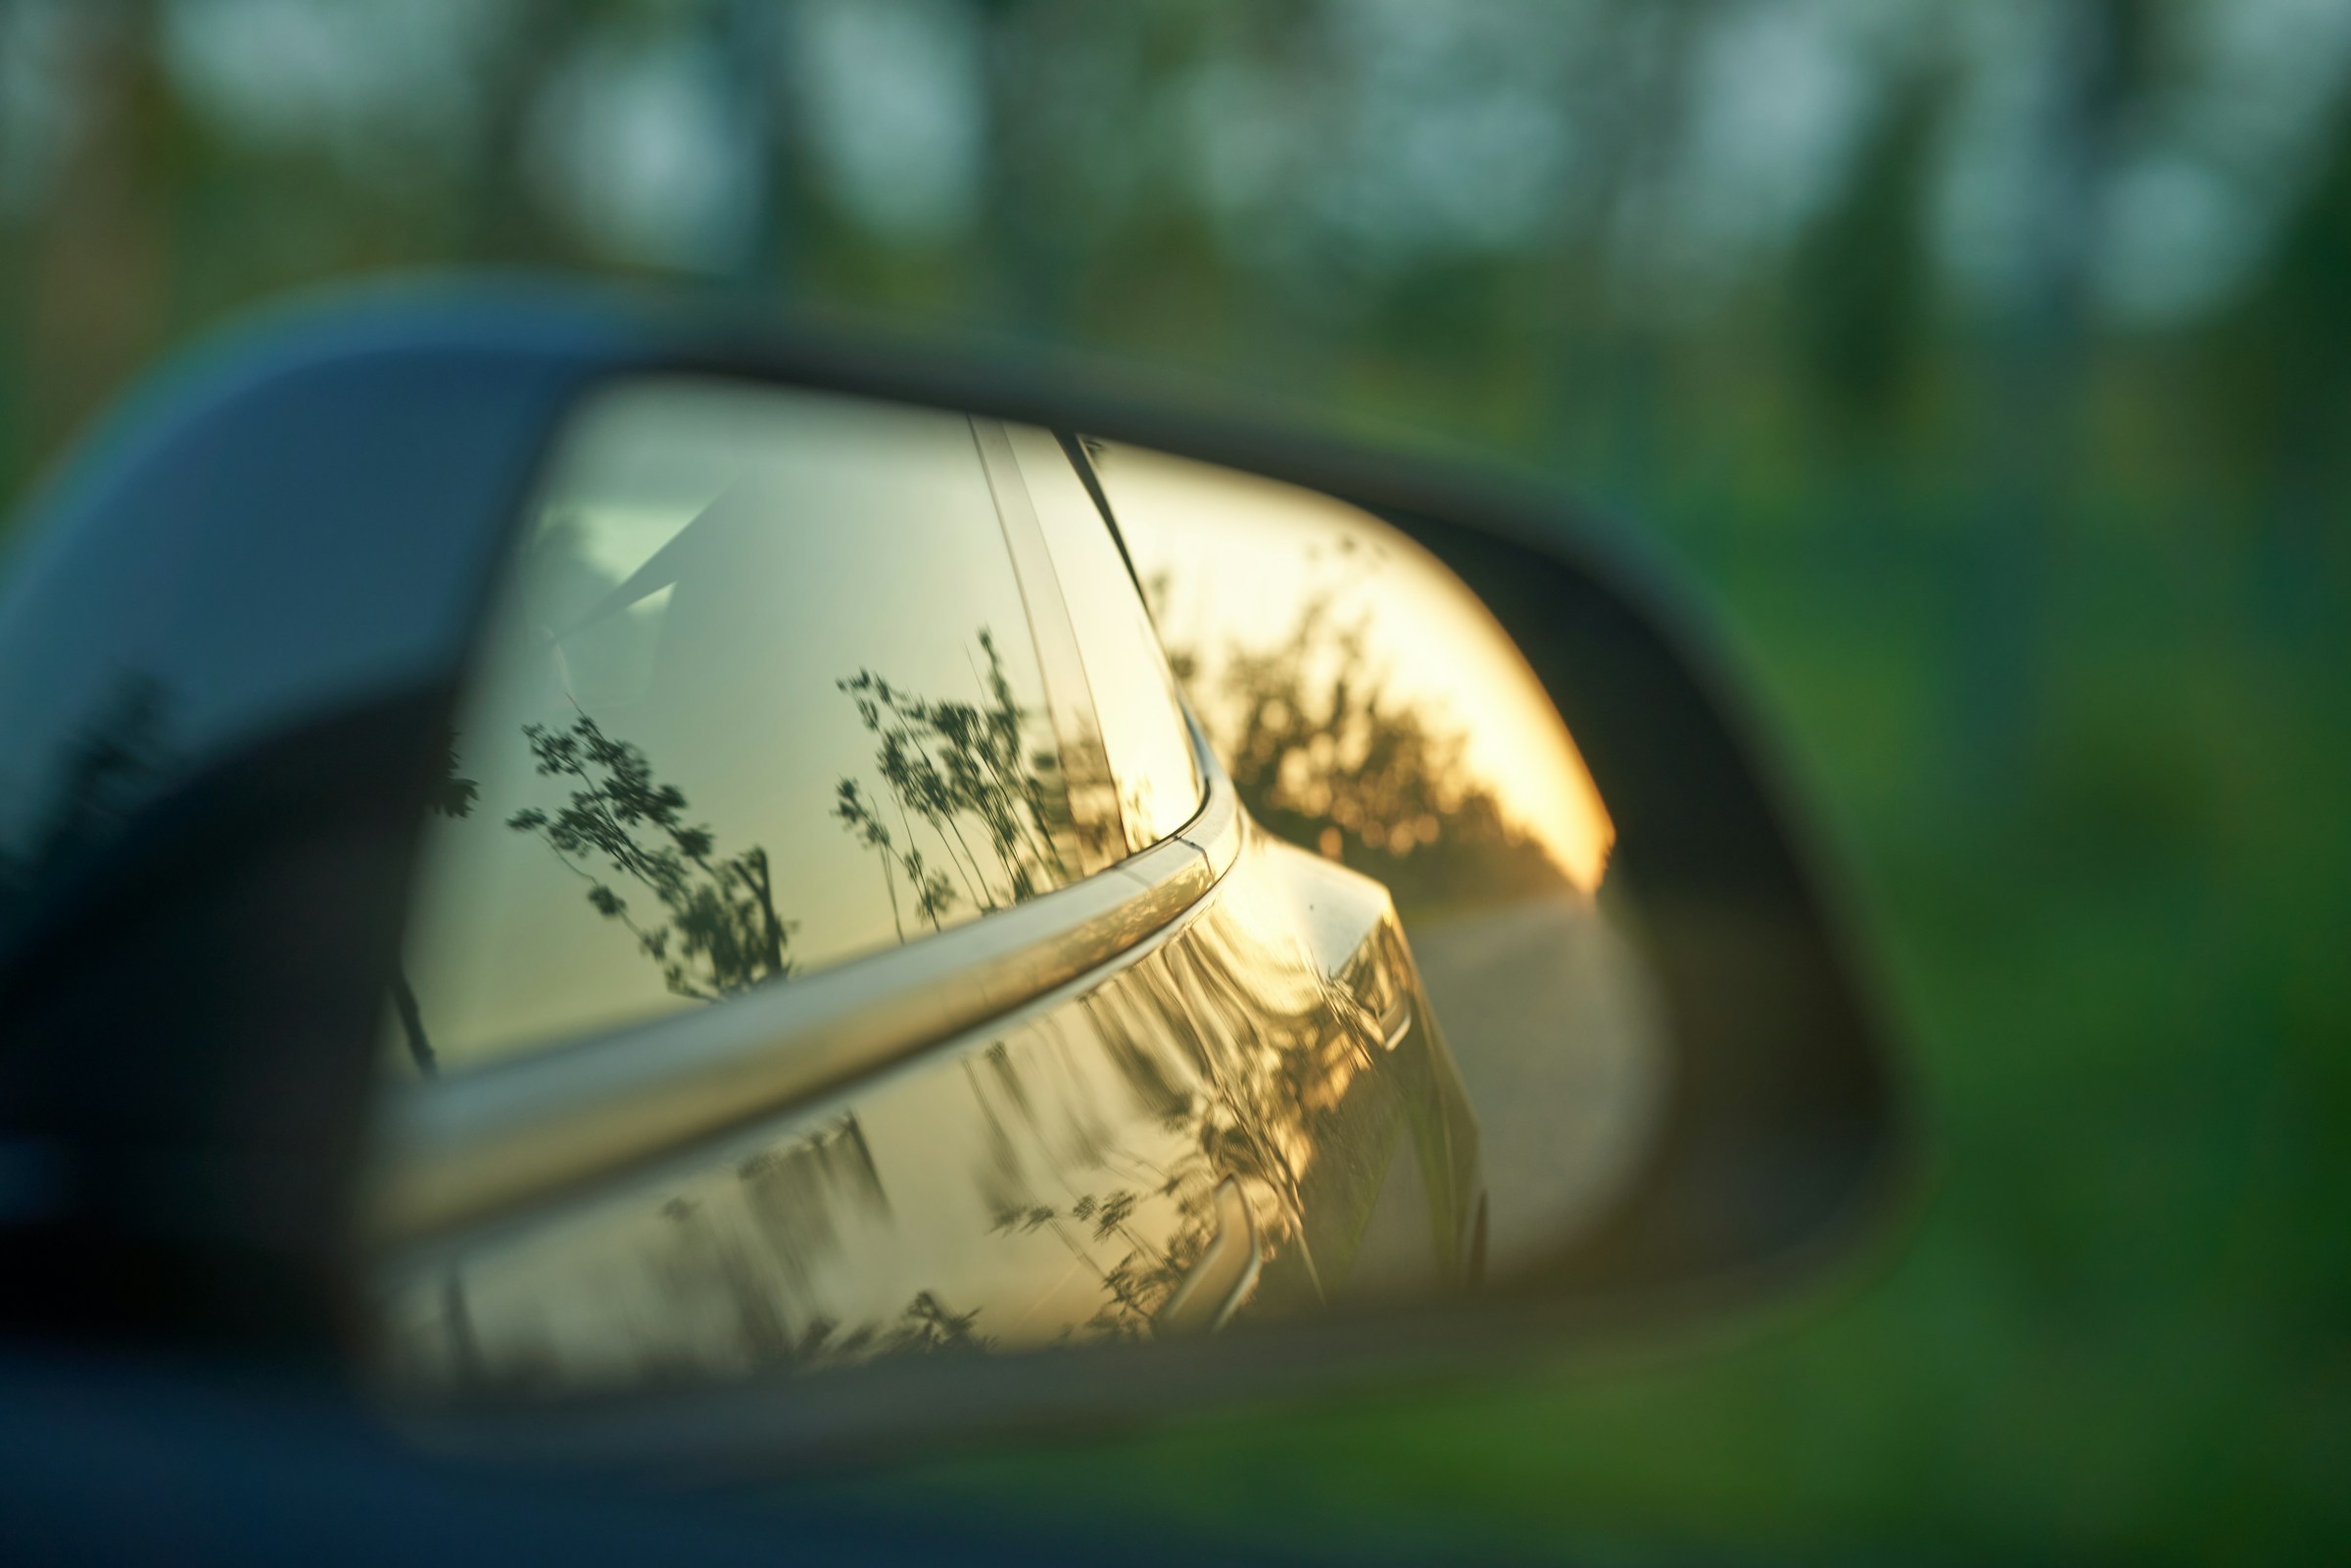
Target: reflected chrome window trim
{"x": 1216, "y": 829}
{"x": 1093, "y": 788}
{"x": 466, "y": 1149}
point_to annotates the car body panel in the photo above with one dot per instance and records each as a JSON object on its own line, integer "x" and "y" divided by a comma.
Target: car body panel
{"x": 1051, "y": 1178}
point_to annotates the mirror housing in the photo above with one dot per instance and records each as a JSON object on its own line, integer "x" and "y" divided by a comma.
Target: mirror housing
{"x": 230, "y": 648}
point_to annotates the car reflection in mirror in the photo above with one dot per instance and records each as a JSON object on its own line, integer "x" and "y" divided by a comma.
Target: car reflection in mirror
{"x": 1385, "y": 1045}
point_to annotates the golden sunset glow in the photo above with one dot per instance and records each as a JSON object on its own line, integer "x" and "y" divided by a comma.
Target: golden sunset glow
{"x": 1242, "y": 558}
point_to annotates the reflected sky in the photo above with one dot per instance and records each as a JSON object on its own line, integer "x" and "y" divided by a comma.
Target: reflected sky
{"x": 1243, "y": 558}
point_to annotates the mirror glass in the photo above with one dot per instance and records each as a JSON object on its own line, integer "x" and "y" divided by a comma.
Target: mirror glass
{"x": 901, "y": 881}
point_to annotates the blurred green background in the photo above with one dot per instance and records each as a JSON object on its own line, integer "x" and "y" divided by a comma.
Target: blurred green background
{"x": 1986, "y": 366}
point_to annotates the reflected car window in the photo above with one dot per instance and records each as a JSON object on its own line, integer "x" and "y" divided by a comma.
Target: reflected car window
{"x": 1135, "y": 695}
{"x": 761, "y": 695}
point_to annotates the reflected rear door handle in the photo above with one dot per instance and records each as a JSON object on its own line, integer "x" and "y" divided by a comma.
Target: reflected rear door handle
{"x": 1223, "y": 1274}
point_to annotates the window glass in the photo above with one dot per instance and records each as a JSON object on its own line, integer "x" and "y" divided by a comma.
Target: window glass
{"x": 761, "y": 695}
{"x": 1134, "y": 693}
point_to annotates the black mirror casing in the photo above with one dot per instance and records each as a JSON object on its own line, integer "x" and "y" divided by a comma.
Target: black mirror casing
{"x": 228, "y": 641}
{"x": 229, "y": 650}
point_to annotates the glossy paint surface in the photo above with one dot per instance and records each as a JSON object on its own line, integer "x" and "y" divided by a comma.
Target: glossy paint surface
{"x": 1057, "y": 1179}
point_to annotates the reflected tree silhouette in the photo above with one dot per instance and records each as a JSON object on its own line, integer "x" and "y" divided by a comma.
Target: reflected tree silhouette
{"x": 950, "y": 765}
{"x": 1140, "y": 1274}
{"x": 1137, "y": 1284}
{"x": 965, "y": 814}
{"x": 1258, "y": 1095}
{"x": 929, "y": 1325}
{"x": 1325, "y": 754}
{"x": 719, "y": 934}
{"x": 791, "y": 1193}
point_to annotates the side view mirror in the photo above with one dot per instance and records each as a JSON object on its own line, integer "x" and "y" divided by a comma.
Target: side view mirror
{"x": 674, "y": 897}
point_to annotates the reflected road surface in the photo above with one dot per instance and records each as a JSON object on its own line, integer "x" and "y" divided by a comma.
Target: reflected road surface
{"x": 1555, "y": 1033}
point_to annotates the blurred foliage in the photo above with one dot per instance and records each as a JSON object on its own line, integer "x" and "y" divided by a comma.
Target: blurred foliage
{"x": 1988, "y": 366}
